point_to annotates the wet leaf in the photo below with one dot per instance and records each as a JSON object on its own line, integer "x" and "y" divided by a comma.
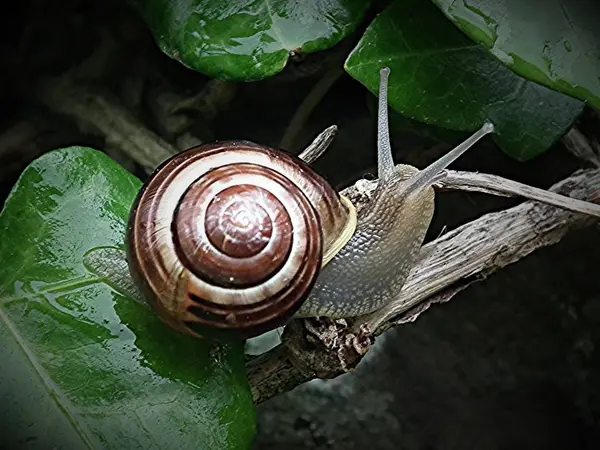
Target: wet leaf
{"x": 439, "y": 76}
{"x": 246, "y": 40}
{"x": 555, "y": 43}
{"x": 82, "y": 365}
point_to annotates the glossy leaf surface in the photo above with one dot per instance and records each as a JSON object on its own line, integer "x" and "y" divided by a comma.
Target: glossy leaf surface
{"x": 84, "y": 366}
{"x": 554, "y": 42}
{"x": 246, "y": 40}
{"x": 439, "y": 76}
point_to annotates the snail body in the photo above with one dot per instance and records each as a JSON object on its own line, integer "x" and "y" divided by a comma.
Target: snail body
{"x": 233, "y": 239}
{"x": 372, "y": 267}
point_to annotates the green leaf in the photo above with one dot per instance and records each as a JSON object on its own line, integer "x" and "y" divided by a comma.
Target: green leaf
{"x": 400, "y": 125}
{"x": 554, "y": 42}
{"x": 247, "y": 40}
{"x": 82, "y": 365}
{"x": 440, "y": 77}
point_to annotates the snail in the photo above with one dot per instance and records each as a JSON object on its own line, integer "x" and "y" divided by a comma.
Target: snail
{"x": 229, "y": 240}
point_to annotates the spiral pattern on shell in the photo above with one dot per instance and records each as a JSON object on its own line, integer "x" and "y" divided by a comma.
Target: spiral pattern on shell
{"x": 227, "y": 239}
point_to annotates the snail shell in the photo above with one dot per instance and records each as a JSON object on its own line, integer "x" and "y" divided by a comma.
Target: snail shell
{"x": 227, "y": 239}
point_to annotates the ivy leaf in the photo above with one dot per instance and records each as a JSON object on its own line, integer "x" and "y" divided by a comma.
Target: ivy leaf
{"x": 247, "y": 40}
{"x": 556, "y": 44}
{"x": 440, "y": 77}
{"x": 82, "y": 365}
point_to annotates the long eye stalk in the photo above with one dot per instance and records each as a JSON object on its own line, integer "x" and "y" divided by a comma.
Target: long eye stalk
{"x": 385, "y": 161}
{"x": 434, "y": 171}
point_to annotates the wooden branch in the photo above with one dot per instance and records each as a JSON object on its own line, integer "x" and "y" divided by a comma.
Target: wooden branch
{"x": 98, "y": 112}
{"x": 319, "y": 145}
{"x": 319, "y": 348}
{"x": 475, "y": 250}
{"x": 495, "y": 185}
{"x": 582, "y": 147}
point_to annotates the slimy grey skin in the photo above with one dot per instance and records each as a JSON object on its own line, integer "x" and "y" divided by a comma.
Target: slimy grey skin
{"x": 300, "y": 251}
{"x": 370, "y": 270}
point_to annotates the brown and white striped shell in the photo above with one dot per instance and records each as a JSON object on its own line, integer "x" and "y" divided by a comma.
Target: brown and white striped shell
{"x": 227, "y": 239}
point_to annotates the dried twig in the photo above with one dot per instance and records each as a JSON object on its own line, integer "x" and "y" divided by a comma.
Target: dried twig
{"x": 319, "y": 145}
{"x": 446, "y": 266}
{"x": 488, "y": 244}
{"x": 495, "y": 185}
{"x": 97, "y": 111}
{"x": 580, "y": 146}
